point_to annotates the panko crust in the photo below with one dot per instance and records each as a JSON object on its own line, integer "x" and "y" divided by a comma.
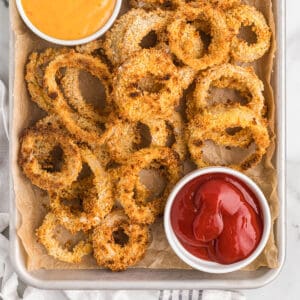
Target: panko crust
{"x": 212, "y": 125}
{"x": 46, "y": 236}
{"x": 111, "y": 254}
{"x": 97, "y": 200}
{"x": 146, "y": 212}
{"x": 218, "y": 50}
{"x": 246, "y": 15}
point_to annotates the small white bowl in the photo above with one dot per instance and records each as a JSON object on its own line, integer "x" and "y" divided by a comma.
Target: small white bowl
{"x": 208, "y": 266}
{"x": 85, "y": 40}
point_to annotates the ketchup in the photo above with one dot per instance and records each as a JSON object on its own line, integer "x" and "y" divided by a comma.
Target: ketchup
{"x": 216, "y": 217}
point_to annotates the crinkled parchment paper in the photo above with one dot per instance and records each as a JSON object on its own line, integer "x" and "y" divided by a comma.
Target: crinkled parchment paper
{"x": 32, "y": 203}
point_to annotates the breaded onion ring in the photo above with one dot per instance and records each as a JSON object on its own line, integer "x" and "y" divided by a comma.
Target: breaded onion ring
{"x": 121, "y": 149}
{"x": 97, "y": 203}
{"x": 147, "y": 211}
{"x": 134, "y": 99}
{"x": 190, "y": 40}
{"x": 34, "y": 78}
{"x": 162, "y": 133}
{"x": 36, "y": 145}
{"x": 126, "y": 36}
{"x": 219, "y": 47}
{"x": 212, "y": 125}
{"x": 115, "y": 254}
{"x": 114, "y": 37}
{"x": 228, "y": 76}
{"x": 71, "y": 86}
{"x": 70, "y": 83}
{"x": 82, "y": 130}
{"x": 140, "y": 26}
{"x": 35, "y": 68}
{"x": 46, "y": 237}
{"x": 245, "y": 15}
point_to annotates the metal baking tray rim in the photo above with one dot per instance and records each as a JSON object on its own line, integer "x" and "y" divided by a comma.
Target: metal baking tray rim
{"x": 183, "y": 279}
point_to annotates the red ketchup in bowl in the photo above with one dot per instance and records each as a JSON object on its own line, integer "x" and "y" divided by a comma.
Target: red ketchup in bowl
{"x": 216, "y": 217}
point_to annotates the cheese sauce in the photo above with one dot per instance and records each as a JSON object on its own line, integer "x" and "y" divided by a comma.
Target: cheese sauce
{"x": 68, "y": 19}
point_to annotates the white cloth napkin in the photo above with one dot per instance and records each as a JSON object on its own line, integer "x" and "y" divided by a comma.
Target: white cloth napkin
{"x": 9, "y": 281}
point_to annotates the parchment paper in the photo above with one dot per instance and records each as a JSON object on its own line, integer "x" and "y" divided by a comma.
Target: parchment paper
{"x": 32, "y": 203}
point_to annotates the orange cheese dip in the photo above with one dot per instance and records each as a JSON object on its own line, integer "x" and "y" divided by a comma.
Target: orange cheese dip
{"x": 68, "y": 19}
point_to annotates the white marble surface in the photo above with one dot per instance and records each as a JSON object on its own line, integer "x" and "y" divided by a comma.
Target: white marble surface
{"x": 287, "y": 285}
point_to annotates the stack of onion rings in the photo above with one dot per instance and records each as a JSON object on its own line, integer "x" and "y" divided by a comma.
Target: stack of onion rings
{"x": 104, "y": 152}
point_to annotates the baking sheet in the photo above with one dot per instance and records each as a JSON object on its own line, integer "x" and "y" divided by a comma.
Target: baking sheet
{"x": 31, "y": 113}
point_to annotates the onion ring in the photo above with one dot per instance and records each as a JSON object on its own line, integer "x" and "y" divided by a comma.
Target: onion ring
{"x": 120, "y": 151}
{"x": 46, "y": 237}
{"x": 159, "y": 129}
{"x": 137, "y": 103}
{"x": 219, "y": 47}
{"x": 245, "y": 15}
{"x": 145, "y": 213}
{"x": 97, "y": 203}
{"x": 212, "y": 125}
{"x": 227, "y": 75}
{"x": 119, "y": 256}
{"x": 70, "y": 83}
{"x": 85, "y": 131}
{"x": 113, "y": 37}
{"x": 126, "y": 35}
{"x": 140, "y": 26}
{"x": 34, "y": 76}
{"x": 35, "y": 144}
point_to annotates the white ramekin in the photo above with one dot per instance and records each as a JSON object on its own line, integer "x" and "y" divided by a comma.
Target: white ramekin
{"x": 204, "y": 265}
{"x": 85, "y": 40}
